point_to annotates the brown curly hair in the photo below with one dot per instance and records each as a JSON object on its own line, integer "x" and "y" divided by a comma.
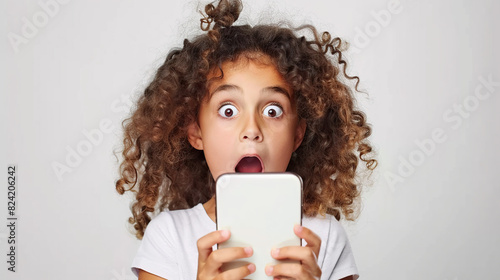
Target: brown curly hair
{"x": 166, "y": 172}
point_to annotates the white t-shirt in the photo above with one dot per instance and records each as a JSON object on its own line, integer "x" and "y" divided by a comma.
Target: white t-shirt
{"x": 168, "y": 248}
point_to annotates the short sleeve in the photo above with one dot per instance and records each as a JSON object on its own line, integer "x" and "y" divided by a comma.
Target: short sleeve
{"x": 339, "y": 253}
{"x": 156, "y": 252}
{"x": 335, "y": 258}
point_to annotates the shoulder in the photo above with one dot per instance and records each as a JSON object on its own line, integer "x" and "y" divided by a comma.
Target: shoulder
{"x": 181, "y": 225}
{"x": 161, "y": 222}
{"x": 327, "y": 227}
{"x": 158, "y": 232}
{"x": 174, "y": 217}
{"x": 169, "y": 216}
{"x": 168, "y": 248}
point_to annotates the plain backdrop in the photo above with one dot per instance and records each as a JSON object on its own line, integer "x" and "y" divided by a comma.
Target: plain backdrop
{"x": 72, "y": 69}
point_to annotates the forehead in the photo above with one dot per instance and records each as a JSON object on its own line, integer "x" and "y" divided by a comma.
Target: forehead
{"x": 258, "y": 68}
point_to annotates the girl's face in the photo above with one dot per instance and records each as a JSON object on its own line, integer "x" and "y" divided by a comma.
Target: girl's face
{"x": 248, "y": 120}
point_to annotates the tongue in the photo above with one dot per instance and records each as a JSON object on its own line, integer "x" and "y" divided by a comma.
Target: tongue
{"x": 249, "y": 165}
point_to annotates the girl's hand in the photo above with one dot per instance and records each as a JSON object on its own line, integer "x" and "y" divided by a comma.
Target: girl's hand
{"x": 209, "y": 262}
{"x": 308, "y": 256}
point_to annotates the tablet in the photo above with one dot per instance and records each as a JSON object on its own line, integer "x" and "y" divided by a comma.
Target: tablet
{"x": 260, "y": 210}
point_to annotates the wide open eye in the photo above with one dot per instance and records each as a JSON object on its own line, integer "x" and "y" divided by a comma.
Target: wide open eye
{"x": 228, "y": 111}
{"x": 273, "y": 111}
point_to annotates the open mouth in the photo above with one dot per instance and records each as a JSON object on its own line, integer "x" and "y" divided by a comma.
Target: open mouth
{"x": 250, "y": 164}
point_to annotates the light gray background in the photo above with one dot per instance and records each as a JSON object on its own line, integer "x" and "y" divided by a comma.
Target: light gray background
{"x": 82, "y": 60}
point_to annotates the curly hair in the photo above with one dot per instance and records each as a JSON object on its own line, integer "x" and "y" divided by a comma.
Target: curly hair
{"x": 166, "y": 172}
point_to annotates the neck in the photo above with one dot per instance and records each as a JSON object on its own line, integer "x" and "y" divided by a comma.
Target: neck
{"x": 210, "y": 208}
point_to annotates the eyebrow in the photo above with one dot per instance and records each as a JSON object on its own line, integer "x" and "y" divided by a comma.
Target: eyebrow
{"x": 231, "y": 87}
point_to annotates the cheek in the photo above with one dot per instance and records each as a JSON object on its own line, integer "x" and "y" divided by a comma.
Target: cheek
{"x": 219, "y": 143}
{"x": 219, "y": 133}
{"x": 215, "y": 143}
{"x": 282, "y": 132}
{"x": 281, "y": 149}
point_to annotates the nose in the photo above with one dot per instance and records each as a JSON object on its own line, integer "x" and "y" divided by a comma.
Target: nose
{"x": 251, "y": 130}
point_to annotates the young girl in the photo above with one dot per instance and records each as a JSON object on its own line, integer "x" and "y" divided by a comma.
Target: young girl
{"x": 244, "y": 99}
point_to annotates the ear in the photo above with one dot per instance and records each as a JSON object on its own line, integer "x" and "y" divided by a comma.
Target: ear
{"x": 194, "y": 136}
{"x": 299, "y": 134}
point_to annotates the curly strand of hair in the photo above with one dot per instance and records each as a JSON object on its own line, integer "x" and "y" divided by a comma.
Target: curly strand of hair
{"x": 223, "y": 15}
{"x": 131, "y": 154}
{"x": 317, "y": 41}
{"x": 326, "y": 42}
{"x": 146, "y": 198}
{"x": 328, "y": 45}
{"x": 140, "y": 219}
{"x": 226, "y": 12}
{"x": 206, "y": 21}
{"x": 340, "y": 61}
{"x": 364, "y": 149}
{"x": 127, "y": 179}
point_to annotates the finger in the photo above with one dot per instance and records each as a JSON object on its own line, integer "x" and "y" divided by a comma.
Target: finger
{"x": 217, "y": 258}
{"x": 238, "y": 273}
{"x": 313, "y": 240}
{"x": 206, "y": 242}
{"x": 291, "y": 270}
{"x": 303, "y": 254}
